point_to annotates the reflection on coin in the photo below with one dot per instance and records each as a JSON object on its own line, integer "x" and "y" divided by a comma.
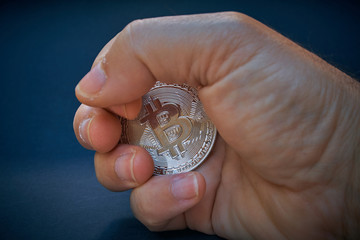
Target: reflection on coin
{"x": 173, "y": 127}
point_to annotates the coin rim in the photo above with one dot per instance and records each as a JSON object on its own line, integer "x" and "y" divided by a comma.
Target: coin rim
{"x": 158, "y": 170}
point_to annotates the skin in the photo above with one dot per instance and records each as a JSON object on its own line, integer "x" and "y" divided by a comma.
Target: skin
{"x": 286, "y": 160}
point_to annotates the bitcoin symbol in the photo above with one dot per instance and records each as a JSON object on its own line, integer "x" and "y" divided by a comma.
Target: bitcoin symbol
{"x": 170, "y": 129}
{"x": 173, "y": 127}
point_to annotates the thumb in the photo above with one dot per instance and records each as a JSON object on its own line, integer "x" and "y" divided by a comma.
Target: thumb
{"x": 169, "y": 49}
{"x": 117, "y": 77}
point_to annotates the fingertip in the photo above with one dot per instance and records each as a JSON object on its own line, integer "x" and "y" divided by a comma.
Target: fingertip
{"x": 201, "y": 182}
{"x": 133, "y": 108}
{"x": 104, "y": 132}
{"x": 133, "y": 164}
{"x": 84, "y": 127}
{"x": 96, "y": 129}
{"x": 188, "y": 186}
{"x": 81, "y": 123}
{"x": 123, "y": 168}
{"x": 143, "y": 166}
{"x": 91, "y": 85}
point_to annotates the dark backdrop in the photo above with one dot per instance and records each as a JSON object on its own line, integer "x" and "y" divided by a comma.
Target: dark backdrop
{"x": 48, "y": 188}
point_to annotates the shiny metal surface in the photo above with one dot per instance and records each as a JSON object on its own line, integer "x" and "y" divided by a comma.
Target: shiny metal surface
{"x": 173, "y": 127}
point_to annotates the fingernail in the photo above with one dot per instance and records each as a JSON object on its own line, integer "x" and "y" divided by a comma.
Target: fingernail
{"x": 84, "y": 130}
{"x": 124, "y": 109}
{"x": 93, "y": 81}
{"x": 120, "y": 110}
{"x": 185, "y": 186}
{"x": 124, "y": 166}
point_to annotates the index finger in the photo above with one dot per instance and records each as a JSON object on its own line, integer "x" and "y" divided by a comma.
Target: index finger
{"x": 169, "y": 49}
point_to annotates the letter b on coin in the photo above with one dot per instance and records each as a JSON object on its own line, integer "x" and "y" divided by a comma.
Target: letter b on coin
{"x": 170, "y": 129}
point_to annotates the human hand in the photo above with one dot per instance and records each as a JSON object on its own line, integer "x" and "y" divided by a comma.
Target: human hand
{"x": 286, "y": 161}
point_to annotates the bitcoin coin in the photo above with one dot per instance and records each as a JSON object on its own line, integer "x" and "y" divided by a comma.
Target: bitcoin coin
{"x": 173, "y": 127}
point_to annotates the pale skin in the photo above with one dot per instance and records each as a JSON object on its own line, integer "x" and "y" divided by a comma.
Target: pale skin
{"x": 286, "y": 160}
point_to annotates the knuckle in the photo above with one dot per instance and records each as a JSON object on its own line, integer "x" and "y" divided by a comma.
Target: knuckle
{"x": 144, "y": 212}
{"x": 134, "y": 28}
{"x": 238, "y": 19}
{"x": 155, "y": 226}
{"x": 134, "y": 34}
{"x": 233, "y": 14}
{"x": 135, "y": 24}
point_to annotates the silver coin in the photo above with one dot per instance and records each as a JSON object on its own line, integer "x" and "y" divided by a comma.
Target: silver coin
{"x": 173, "y": 127}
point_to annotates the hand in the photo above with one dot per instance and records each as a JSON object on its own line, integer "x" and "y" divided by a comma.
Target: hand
{"x": 286, "y": 161}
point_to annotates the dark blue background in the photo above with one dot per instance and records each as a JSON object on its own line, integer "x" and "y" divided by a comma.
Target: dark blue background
{"x": 48, "y": 188}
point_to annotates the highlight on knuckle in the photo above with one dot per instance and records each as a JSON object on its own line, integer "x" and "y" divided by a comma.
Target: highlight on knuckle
{"x": 236, "y": 18}
{"x": 134, "y": 31}
{"x": 134, "y": 25}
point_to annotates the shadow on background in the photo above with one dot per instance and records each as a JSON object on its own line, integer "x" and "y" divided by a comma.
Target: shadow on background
{"x": 47, "y": 181}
